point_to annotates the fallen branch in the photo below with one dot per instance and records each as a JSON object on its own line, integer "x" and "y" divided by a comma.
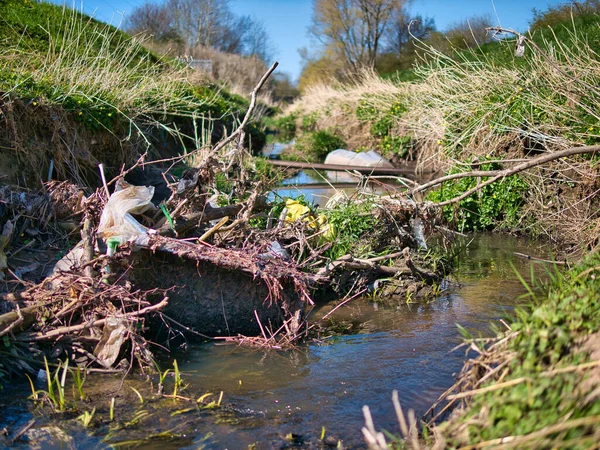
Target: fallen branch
{"x": 498, "y": 174}
{"x": 94, "y": 323}
{"x": 17, "y": 322}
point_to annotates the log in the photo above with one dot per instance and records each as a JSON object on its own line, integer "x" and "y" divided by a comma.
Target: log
{"x": 343, "y": 167}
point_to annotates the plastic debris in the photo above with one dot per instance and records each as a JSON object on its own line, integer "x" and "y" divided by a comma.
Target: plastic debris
{"x": 362, "y": 159}
{"x": 117, "y": 225}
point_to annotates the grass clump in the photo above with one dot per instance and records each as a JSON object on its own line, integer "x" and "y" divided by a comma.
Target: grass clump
{"x": 313, "y": 146}
{"x": 352, "y": 222}
{"x": 58, "y": 62}
{"x": 548, "y": 397}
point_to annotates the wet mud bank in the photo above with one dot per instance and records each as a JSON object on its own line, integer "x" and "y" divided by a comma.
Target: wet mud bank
{"x": 215, "y": 301}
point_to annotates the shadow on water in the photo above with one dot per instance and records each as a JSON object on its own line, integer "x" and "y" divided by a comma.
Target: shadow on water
{"x": 325, "y": 384}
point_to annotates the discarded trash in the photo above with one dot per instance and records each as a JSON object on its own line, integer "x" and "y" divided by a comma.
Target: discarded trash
{"x": 363, "y": 159}
{"x": 117, "y": 225}
{"x": 276, "y": 251}
{"x": 297, "y": 211}
{"x": 114, "y": 334}
{"x": 418, "y": 233}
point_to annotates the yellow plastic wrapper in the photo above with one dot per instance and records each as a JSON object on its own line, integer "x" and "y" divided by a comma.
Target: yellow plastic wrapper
{"x": 297, "y": 211}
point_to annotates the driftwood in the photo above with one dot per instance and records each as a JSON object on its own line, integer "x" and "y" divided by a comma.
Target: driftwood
{"x": 188, "y": 221}
{"x": 61, "y": 331}
{"x": 348, "y": 262}
{"x": 18, "y": 320}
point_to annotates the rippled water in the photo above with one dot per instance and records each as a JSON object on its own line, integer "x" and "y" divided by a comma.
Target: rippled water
{"x": 325, "y": 384}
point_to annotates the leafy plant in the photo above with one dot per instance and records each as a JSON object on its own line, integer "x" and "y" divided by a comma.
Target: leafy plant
{"x": 86, "y": 417}
{"x": 314, "y": 146}
{"x": 350, "y": 222}
{"x": 496, "y": 203}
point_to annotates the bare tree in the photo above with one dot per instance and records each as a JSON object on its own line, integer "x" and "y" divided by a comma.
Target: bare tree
{"x": 151, "y": 19}
{"x": 404, "y": 29}
{"x": 202, "y": 23}
{"x": 353, "y": 28}
{"x": 469, "y": 32}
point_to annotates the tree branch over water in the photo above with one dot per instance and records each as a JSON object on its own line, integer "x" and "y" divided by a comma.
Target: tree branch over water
{"x": 498, "y": 174}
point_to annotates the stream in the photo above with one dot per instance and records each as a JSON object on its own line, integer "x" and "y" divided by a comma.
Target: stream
{"x": 278, "y": 399}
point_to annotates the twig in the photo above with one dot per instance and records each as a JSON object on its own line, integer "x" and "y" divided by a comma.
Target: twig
{"x": 533, "y": 258}
{"x": 17, "y": 322}
{"x": 94, "y": 323}
{"x": 101, "y": 168}
{"x": 251, "y": 107}
{"x": 88, "y": 246}
{"x": 214, "y": 229}
{"x": 22, "y": 431}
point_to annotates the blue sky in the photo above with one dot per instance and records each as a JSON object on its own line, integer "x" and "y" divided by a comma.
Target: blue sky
{"x": 287, "y": 21}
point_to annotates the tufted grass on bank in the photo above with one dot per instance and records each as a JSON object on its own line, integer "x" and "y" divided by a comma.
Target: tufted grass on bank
{"x": 97, "y": 78}
{"x": 536, "y": 385}
{"x": 548, "y": 391}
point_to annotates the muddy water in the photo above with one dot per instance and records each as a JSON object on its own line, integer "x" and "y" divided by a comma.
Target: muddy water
{"x": 268, "y": 395}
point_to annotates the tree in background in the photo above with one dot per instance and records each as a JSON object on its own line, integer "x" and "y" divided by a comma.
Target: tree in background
{"x": 563, "y": 12}
{"x": 469, "y": 33}
{"x": 190, "y": 25}
{"x": 400, "y": 43}
{"x": 153, "y": 20}
{"x": 352, "y": 30}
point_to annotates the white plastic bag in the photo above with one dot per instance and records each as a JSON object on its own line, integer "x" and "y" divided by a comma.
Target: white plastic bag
{"x": 117, "y": 225}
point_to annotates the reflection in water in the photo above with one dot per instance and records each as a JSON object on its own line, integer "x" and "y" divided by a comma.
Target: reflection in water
{"x": 325, "y": 384}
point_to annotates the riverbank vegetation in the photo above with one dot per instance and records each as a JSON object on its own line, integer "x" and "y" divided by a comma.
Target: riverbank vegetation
{"x": 76, "y": 93}
{"x": 115, "y": 99}
{"x": 484, "y": 104}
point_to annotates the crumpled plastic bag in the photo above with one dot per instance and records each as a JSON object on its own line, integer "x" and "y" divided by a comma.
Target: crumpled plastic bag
{"x": 117, "y": 225}
{"x": 297, "y": 211}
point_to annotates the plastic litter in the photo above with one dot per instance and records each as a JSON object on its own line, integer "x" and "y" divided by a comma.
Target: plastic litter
{"x": 363, "y": 159}
{"x": 418, "y": 234}
{"x": 297, "y": 211}
{"x": 117, "y": 225}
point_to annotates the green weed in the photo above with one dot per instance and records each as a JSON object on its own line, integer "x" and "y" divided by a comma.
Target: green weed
{"x": 544, "y": 353}
{"x": 351, "y": 222}
{"x": 498, "y": 204}
{"x": 86, "y": 418}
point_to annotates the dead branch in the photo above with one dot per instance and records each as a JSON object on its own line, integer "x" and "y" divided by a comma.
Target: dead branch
{"x": 498, "y": 174}
{"x": 13, "y": 325}
{"x": 251, "y": 107}
{"x": 349, "y": 262}
{"x": 93, "y": 323}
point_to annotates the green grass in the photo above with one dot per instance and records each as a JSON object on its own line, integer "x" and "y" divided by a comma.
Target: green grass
{"x": 101, "y": 76}
{"x": 497, "y": 205}
{"x": 544, "y": 354}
